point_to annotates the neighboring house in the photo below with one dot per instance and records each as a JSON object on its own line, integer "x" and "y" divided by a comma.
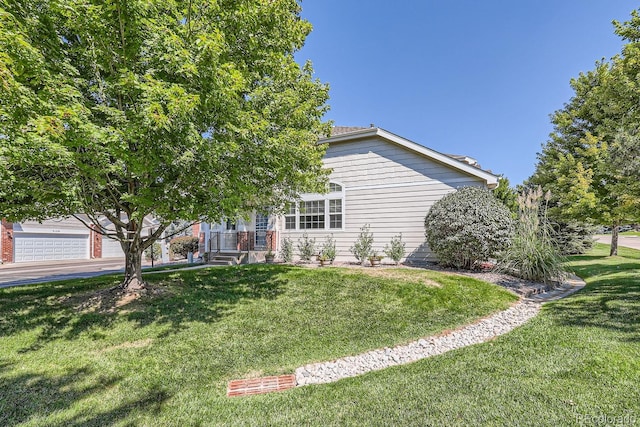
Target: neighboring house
{"x": 377, "y": 178}
{"x": 56, "y": 239}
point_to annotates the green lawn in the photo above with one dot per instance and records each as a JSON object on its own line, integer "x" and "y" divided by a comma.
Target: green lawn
{"x": 630, "y": 233}
{"x": 577, "y": 361}
{"x": 165, "y": 360}
{"x": 72, "y": 356}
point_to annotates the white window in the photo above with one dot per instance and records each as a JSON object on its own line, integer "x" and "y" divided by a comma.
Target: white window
{"x": 335, "y": 213}
{"x": 317, "y": 211}
{"x": 290, "y": 217}
{"x": 312, "y": 215}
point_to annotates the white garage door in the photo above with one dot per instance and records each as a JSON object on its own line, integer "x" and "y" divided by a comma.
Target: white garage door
{"x": 111, "y": 248}
{"x": 50, "y": 247}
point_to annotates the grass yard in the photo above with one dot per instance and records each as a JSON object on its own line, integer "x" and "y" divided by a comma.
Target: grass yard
{"x": 172, "y": 266}
{"x": 72, "y": 356}
{"x": 576, "y": 364}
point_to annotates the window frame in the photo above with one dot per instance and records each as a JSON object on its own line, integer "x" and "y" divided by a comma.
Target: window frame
{"x": 326, "y": 200}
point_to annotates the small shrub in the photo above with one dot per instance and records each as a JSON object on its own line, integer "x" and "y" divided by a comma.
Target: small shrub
{"x": 395, "y": 249}
{"x": 375, "y": 257}
{"x": 287, "y": 250}
{"x": 306, "y": 247}
{"x": 329, "y": 248}
{"x": 183, "y": 245}
{"x": 155, "y": 253}
{"x": 533, "y": 254}
{"x": 468, "y": 227}
{"x": 362, "y": 249}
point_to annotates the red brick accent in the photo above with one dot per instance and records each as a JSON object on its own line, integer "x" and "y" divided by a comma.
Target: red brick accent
{"x": 246, "y": 240}
{"x": 195, "y": 229}
{"x": 96, "y": 246}
{"x": 272, "y": 240}
{"x": 7, "y": 241}
{"x": 243, "y": 241}
{"x": 201, "y": 242}
{"x": 260, "y": 385}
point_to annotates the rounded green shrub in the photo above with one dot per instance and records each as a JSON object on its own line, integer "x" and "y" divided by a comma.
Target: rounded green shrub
{"x": 182, "y": 245}
{"x": 468, "y": 227}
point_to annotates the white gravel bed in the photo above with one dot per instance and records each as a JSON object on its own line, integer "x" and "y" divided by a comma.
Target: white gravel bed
{"x": 482, "y": 331}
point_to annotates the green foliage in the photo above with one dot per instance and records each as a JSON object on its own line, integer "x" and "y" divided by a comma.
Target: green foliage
{"x": 329, "y": 248}
{"x": 362, "y": 248}
{"x": 153, "y": 252}
{"x": 573, "y": 237}
{"x": 395, "y": 249}
{"x": 183, "y": 245}
{"x": 532, "y": 254}
{"x": 287, "y": 249}
{"x": 179, "y": 228}
{"x": 588, "y": 164}
{"x": 624, "y": 156}
{"x": 192, "y": 110}
{"x": 507, "y": 195}
{"x": 306, "y": 247}
{"x": 467, "y": 227}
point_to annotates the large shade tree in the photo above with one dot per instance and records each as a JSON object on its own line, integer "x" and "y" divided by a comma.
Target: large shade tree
{"x": 190, "y": 110}
{"x": 582, "y": 162}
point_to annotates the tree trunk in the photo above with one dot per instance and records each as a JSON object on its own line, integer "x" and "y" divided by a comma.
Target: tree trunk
{"x": 614, "y": 240}
{"x": 133, "y": 270}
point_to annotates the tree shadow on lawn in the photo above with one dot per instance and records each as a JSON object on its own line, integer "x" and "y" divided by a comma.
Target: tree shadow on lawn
{"x": 611, "y": 301}
{"x": 66, "y": 310}
{"x": 28, "y": 396}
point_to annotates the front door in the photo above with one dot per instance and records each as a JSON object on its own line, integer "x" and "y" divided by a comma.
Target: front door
{"x": 262, "y": 224}
{"x": 229, "y": 237}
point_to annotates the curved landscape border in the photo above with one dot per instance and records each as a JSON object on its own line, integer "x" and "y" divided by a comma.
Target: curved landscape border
{"x": 481, "y": 331}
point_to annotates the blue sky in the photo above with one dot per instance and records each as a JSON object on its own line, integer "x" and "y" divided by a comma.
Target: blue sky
{"x": 470, "y": 77}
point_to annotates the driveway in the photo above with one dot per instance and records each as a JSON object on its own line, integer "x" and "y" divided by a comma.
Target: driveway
{"x": 626, "y": 241}
{"x": 49, "y": 271}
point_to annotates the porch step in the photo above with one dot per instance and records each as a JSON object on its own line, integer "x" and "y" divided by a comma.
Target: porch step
{"x": 223, "y": 260}
{"x": 220, "y": 262}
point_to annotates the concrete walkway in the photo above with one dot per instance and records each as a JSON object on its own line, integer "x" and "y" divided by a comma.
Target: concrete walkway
{"x": 632, "y": 242}
{"x": 18, "y": 274}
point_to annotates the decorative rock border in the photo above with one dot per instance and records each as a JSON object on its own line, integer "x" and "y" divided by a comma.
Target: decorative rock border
{"x": 484, "y": 330}
{"x": 351, "y": 366}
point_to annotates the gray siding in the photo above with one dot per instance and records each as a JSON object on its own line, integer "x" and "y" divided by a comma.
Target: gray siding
{"x": 388, "y": 187}
{"x": 379, "y": 162}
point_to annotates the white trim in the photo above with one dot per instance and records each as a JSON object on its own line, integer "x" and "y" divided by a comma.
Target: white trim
{"x": 406, "y": 184}
{"x": 490, "y": 179}
{"x": 54, "y": 231}
{"x": 312, "y": 197}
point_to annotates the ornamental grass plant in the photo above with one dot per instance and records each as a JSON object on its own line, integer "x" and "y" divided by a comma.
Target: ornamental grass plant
{"x": 533, "y": 253}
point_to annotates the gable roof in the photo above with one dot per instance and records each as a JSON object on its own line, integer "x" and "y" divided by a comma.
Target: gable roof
{"x": 344, "y": 134}
{"x": 339, "y": 130}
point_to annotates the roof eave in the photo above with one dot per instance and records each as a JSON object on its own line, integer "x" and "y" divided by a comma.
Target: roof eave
{"x": 490, "y": 179}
